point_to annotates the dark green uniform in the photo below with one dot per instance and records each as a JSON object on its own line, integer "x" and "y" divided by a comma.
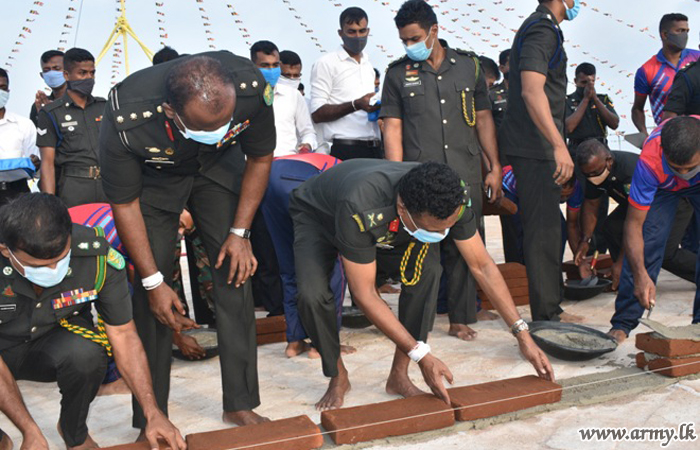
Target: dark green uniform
{"x": 74, "y": 134}
{"x": 438, "y": 113}
{"x": 145, "y": 157}
{"x": 37, "y": 348}
{"x": 537, "y": 47}
{"x": 498, "y": 94}
{"x": 350, "y": 209}
{"x": 684, "y": 98}
{"x": 592, "y": 125}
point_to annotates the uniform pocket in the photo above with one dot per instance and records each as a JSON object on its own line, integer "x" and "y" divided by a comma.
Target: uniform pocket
{"x": 413, "y": 96}
{"x": 8, "y": 312}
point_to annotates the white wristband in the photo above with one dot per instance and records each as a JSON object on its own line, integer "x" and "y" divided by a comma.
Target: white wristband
{"x": 419, "y": 351}
{"x": 151, "y": 282}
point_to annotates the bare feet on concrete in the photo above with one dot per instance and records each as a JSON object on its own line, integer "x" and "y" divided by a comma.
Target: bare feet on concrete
{"x": 485, "y": 314}
{"x": 462, "y": 331}
{"x": 570, "y": 318}
{"x": 344, "y": 350}
{"x": 243, "y": 417}
{"x": 296, "y": 348}
{"x": 118, "y": 387}
{"x": 338, "y": 387}
{"x": 401, "y": 384}
{"x": 89, "y": 443}
{"x": 618, "y": 335}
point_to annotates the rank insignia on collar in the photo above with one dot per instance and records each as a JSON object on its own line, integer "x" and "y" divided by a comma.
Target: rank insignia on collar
{"x": 269, "y": 95}
{"x": 394, "y": 225}
{"x": 372, "y": 222}
{"x": 359, "y": 222}
{"x": 74, "y": 297}
{"x": 233, "y": 132}
{"x": 8, "y": 292}
{"x": 83, "y": 246}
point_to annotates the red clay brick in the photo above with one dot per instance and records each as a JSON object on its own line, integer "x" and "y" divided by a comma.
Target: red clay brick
{"x": 275, "y": 435}
{"x": 641, "y": 360}
{"x": 669, "y": 348}
{"x": 137, "y": 446}
{"x": 502, "y": 207}
{"x": 529, "y": 390}
{"x": 267, "y": 325}
{"x": 272, "y": 338}
{"x": 392, "y": 418}
{"x": 675, "y": 367}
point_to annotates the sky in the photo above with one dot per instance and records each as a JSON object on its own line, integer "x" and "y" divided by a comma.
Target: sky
{"x": 617, "y": 36}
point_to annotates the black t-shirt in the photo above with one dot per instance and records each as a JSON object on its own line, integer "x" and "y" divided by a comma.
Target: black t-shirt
{"x": 617, "y": 185}
{"x": 354, "y": 204}
{"x": 684, "y": 98}
{"x": 538, "y": 47}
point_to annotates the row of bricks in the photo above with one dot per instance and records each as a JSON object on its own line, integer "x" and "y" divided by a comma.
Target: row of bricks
{"x": 380, "y": 420}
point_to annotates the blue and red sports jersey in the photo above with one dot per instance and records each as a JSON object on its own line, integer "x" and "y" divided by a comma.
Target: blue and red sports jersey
{"x": 652, "y": 173}
{"x": 573, "y": 203}
{"x": 655, "y": 77}
{"x": 98, "y": 215}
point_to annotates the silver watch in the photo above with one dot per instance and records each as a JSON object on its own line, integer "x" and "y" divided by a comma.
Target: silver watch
{"x": 240, "y": 232}
{"x": 518, "y": 326}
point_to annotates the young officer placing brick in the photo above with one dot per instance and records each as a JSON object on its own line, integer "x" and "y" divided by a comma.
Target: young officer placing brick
{"x": 348, "y": 210}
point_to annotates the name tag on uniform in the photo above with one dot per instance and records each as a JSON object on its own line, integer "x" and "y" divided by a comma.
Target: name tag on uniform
{"x": 69, "y": 124}
{"x": 74, "y": 297}
{"x": 7, "y": 308}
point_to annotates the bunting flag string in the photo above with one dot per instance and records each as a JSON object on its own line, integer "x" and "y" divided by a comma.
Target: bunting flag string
{"x": 117, "y": 53}
{"x": 308, "y": 30}
{"x": 206, "y": 22}
{"x": 162, "y": 32}
{"x": 25, "y": 32}
{"x": 245, "y": 34}
{"x": 68, "y": 25}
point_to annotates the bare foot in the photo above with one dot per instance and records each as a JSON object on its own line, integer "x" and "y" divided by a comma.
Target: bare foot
{"x": 118, "y": 387}
{"x": 89, "y": 443}
{"x": 462, "y": 331}
{"x": 5, "y": 441}
{"x": 618, "y": 335}
{"x": 189, "y": 346}
{"x": 388, "y": 289}
{"x": 401, "y": 385}
{"x": 313, "y": 353}
{"x": 242, "y": 418}
{"x": 335, "y": 395}
{"x": 296, "y": 348}
{"x": 344, "y": 350}
{"x": 485, "y": 314}
{"x": 570, "y": 318}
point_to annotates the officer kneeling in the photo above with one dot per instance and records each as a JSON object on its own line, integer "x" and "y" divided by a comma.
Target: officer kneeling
{"x": 52, "y": 272}
{"x": 354, "y": 206}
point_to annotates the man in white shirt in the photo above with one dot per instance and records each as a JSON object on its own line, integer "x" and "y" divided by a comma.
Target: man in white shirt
{"x": 17, "y": 147}
{"x": 342, "y": 91}
{"x": 295, "y": 129}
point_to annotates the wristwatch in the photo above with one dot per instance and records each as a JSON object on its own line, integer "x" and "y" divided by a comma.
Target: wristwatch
{"x": 240, "y": 232}
{"x": 519, "y": 326}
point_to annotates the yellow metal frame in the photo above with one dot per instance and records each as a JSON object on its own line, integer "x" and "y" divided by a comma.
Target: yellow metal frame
{"x": 123, "y": 29}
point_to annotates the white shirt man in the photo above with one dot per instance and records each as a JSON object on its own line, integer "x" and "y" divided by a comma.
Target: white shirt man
{"x": 17, "y": 142}
{"x": 295, "y": 129}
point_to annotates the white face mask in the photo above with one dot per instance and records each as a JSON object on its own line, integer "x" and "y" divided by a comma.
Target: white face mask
{"x": 291, "y": 82}
{"x": 45, "y": 277}
{"x": 4, "y": 97}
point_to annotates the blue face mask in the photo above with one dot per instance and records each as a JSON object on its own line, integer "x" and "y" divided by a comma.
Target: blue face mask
{"x": 45, "y": 277}
{"x": 272, "y": 75}
{"x": 419, "y": 51}
{"x": 571, "y": 13}
{"x": 425, "y": 236}
{"x": 4, "y": 97}
{"x": 204, "y": 137}
{"x": 54, "y": 78}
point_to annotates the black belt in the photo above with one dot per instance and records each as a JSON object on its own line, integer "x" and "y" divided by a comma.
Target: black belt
{"x": 14, "y": 185}
{"x": 92, "y": 172}
{"x": 372, "y": 143}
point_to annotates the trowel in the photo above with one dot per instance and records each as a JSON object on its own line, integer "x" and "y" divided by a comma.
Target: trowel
{"x": 591, "y": 280}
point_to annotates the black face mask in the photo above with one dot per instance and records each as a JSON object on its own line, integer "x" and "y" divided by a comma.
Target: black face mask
{"x": 354, "y": 45}
{"x": 680, "y": 40}
{"x": 505, "y": 76}
{"x": 82, "y": 86}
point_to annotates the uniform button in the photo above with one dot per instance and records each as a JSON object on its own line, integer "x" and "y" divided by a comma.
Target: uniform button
{"x": 439, "y": 77}
{"x": 444, "y": 120}
{"x": 38, "y": 305}
{"x": 446, "y": 146}
{"x": 0, "y": 321}
{"x": 442, "y": 101}
{"x": 412, "y": 94}
{"x": 76, "y": 313}
{"x": 33, "y": 330}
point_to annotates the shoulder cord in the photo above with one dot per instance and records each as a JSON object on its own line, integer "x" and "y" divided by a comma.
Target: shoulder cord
{"x": 100, "y": 336}
{"x": 419, "y": 264}
{"x": 471, "y": 122}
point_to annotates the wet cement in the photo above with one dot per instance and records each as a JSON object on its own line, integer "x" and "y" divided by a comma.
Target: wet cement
{"x": 689, "y": 332}
{"x": 576, "y": 340}
{"x": 576, "y": 392}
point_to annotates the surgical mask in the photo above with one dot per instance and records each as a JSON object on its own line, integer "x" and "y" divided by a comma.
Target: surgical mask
{"x": 4, "y": 97}
{"x": 83, "y": 86}
{"x": 54, "y": 78}
{"x": 678, "y": 40}
{"x": 599, "y": 179}
{"x": 272, "y": 75}
{"x": 425, "y": 236}
{"x": 45, "y": 277}
{"x": 686, "y": 176}
{"x": 204, "y": 137}
{"x": 419, "y": 51}
{"x": 291, "y": 82}
{"x": 571, "y": 13}
{"x": 354, "y": 45}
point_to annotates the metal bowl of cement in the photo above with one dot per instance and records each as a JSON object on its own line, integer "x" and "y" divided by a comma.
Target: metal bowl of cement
{"x": 353, "y": 317}
{"x": 206, "y": 338}
{"x": 576, "y": 290}
{"x": 569, "y": 341}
